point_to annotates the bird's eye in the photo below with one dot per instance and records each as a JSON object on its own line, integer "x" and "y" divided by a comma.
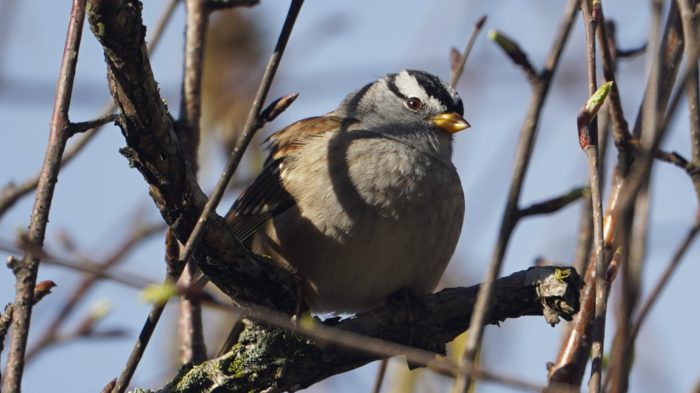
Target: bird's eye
{"x": 414, "y": 104}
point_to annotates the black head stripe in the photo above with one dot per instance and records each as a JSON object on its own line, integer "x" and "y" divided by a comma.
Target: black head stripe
{"x": 391, "y": 82}
{"x": 353, "y": 100}
{"x": 459, "y": 108}
{"x": 435, "y": 88}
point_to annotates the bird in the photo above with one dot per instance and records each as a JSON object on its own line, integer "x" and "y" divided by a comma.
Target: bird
{"x": 364, "y": 201}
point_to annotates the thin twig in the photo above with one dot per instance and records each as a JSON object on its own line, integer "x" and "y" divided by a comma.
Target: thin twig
{"x": 458, "y": 66}
{"x": 588, "y": 137}
{"x": 631, "y": 52}
{"x": 161, "y": 24}
{"x": 26, "y": 271}
{"x": 553, "y": 204}
{"x": 685, "y": 78}
{"x": 620, "y": 127}
{"x": 619, "y": 375}
{"x": 516, "y": 54}
{"x": 41, "y": 289}
{"x": 509, "y": 221}
{"x": 585, "y": 233}
{"x": 252, "y": 124}
{"x": 88, "y": 267}
{"x": 574, "y": 351}
{"x": 109, "y": 386}
{"x": 190, "y": 329}
{"x": 663, "y": 280}
{"x": 672, "y": 157}
{"x": 601, "y": 284}
{"x": 379, "y": 378}
{"x": 50, "y": 334}
{"x": 633, "y": 204}
{"x": 671, "y": 52}
{"x": 77, "y": 128}
{"x": 689, "y": 19}
{"x": 590, "y": 24}
{"x": 11, "y": 193}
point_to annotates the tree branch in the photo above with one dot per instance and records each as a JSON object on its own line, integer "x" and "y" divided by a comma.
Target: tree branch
{"x": 523, "y": 154}
{"x": 12, "y": 193}
{"x": 154, "y": 150}
{"x": 26, "y": 271}
{"x": 190, "y": 329}
{"x": 283, "y": 361}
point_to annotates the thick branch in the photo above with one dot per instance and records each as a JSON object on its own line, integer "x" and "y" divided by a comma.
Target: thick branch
{"x": 155, "y": 151}
{"x": 284, "y": 361}
{"x": 12, "y": 193}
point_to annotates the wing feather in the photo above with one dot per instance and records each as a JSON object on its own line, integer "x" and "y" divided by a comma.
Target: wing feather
{"x": 267, "y": 197}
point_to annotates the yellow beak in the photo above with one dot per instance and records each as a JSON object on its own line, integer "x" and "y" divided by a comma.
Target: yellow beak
{"x": 451, "y": 122}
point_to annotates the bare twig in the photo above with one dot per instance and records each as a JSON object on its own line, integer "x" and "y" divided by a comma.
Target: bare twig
{"x": 41, "y": 289}
{"x": 458, "y": 66}
{"x": 252, "y": 124}
{"x": 88, "y": 267}
{"x": 554, "y": 204}
{"x": 26, "y": 271}
{"x": 109, "y": 386}
{"x": 522, "y": 160}
{"x": 663, "y": 280}
{"x": 190, "y": 328}
{"x": 87, "y": 328}
{"x": 601, "y": 283}
{"x": 213, "y": 5}
{"x": 50, "y": 334}
{"x": 620, "y": 126}
{"x": 191, "y": 335}
{"x": 77, "y": 128}
{"x": 672, "y": 49}
{"x": 674, "y": 101}
{"x": 590, "y": 14}
{"x": 689, "y": 19}
{"x": 631, "y": 52}
{"x": 573, "y": 354}
{"x": 13, "y": 192}
{"x": 379, "y": 378}
{"x": 633, "y": 200}
{"x": 517, "y": 55}
{"x": 588, "y": 138}
{"x": 619, "y": 372}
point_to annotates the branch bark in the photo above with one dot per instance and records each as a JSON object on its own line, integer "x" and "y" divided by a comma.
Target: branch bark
{"x": 273, "y": 359}
{"x": 155, "y": 151}
{"x": 526, "y": 142}
{"x": 26, "y": 270}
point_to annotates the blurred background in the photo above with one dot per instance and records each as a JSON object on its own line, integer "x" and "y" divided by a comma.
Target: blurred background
{"x": 336, "y": 47}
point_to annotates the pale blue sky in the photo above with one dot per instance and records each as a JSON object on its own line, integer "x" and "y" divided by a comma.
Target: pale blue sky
{"x": 98, "y": 193}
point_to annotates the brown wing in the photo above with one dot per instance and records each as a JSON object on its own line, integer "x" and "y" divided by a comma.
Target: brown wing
{"x": 288, "y": 140}
{"x": 266, "y": 197}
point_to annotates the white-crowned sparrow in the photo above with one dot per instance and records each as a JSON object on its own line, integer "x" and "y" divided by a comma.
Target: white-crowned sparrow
{"x": 363, "y": 201}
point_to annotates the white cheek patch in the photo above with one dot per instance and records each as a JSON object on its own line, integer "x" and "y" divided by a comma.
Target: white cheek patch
{"x": 409, "y": 87}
